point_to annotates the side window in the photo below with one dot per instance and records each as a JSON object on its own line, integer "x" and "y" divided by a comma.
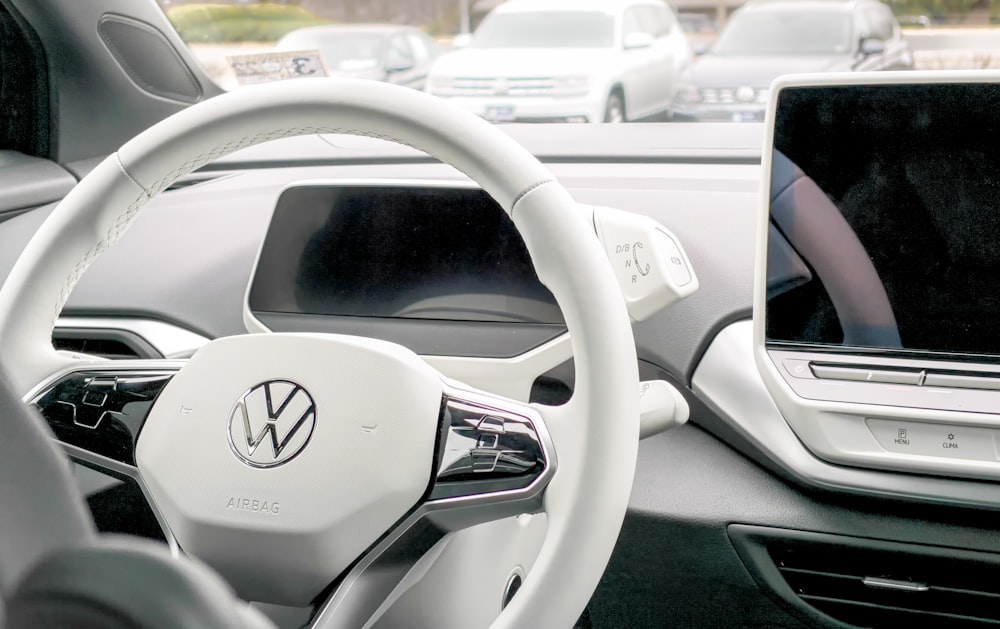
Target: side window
{"x": 400, "y": 56}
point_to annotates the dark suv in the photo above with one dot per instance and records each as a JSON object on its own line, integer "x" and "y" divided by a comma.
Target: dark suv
{"x": 767, "y": 38}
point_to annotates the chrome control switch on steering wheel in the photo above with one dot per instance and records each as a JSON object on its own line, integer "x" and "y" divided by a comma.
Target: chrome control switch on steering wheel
{"x": 486, "y": 449}
{"x": 101, "y": 410}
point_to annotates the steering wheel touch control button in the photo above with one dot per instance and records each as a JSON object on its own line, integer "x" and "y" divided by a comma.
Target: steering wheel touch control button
{"x": 485, "y": 449}
{"x": 937, "y": 440}
{"x": 95, "y": 398}
{"x": 101, "y": 411}
{"x": 678, "y": 269}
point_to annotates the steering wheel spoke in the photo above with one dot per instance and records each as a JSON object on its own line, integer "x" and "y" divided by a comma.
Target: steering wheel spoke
{"x": 100, "y": 407}
{"x": 490, "y": 446}
{"x": 494, "y": 461}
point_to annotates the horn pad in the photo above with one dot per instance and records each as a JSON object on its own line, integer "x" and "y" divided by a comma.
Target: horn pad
{"x": 279, "y": 458}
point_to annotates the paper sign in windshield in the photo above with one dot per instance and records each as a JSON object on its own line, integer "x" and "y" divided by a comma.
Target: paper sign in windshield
{"x": 276, "y": 66}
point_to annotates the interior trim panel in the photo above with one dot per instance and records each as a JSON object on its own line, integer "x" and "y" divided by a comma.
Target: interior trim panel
{"x": 848, "y": 581}
{"x": 169, "y": 340}
{"x": 727, "y": 380}
{"x": 934, "y": 417}
{"x": 29, "y": 182}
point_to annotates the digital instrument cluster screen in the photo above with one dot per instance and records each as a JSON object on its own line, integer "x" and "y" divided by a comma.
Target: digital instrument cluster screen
{"x": 448, "y": 253}
{"x": 885, "y": 218}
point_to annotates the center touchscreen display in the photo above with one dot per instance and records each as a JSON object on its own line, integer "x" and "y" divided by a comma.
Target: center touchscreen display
{"x": 885, "y": 219}
{"x": 402, "y": 252}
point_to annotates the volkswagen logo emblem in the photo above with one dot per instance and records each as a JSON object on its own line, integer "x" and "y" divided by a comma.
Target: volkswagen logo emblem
{"x": 271, "y": 423}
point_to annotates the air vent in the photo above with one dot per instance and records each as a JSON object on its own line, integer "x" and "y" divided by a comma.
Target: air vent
{"x": 873, "y": 583}
{"x": 110, "y": 344}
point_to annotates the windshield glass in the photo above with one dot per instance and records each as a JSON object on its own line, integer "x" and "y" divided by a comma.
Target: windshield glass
{"x": 546, "y": 29}
{"x": 645, "y": 60}
{"x": 786, "y": 33}
{"x": 340, "y": 50}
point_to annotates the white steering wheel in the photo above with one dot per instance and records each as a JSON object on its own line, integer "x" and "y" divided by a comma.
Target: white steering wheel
{"x": 352, "y": 445}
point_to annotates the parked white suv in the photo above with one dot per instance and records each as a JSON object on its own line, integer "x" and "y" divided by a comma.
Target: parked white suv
{"x": 567, "y": 61}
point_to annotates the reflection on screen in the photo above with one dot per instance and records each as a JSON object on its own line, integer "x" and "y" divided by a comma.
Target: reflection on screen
{"x": 885, "y": 229}
{"x": 401, "y": 252}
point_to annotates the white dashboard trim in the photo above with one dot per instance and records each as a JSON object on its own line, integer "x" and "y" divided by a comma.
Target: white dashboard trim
{"x": 728, "y": 381}
{"x": 509, "y": 377}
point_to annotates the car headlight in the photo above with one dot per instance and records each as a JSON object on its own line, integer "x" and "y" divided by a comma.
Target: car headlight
{"x": 688, "y": 93}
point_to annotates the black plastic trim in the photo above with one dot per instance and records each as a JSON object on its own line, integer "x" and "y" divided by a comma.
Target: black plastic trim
{"x": 140, "y": 347}
{"x": 122, "y": 509}
{"x": 38, "y": 138}
{"x": 488, "y": 450}
{"x": 773, "y": 556}
{"x": 102, "y": 411}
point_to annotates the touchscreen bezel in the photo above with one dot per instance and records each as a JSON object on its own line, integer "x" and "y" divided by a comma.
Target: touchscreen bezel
{"x": 763, "y": 216}
{"x": 833, "y": 418}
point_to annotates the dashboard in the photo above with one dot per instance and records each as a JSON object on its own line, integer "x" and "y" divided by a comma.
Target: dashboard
{"x": 736, "y": 464}
{"x": 839, "y": 467}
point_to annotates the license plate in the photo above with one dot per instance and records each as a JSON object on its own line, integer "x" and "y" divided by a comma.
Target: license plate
{"x": 499, "y": 113}
{"x": 745, "y": 116}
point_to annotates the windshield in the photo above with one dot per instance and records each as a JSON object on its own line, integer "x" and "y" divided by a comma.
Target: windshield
{"x": 340, "y": 50}
{"x": 645, "y": 60}
{"x": 786, "y": 33}
{"x": 546, "y": 29}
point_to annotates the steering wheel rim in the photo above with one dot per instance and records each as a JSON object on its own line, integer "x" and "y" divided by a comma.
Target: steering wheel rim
{"x": 595, "y": 433}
